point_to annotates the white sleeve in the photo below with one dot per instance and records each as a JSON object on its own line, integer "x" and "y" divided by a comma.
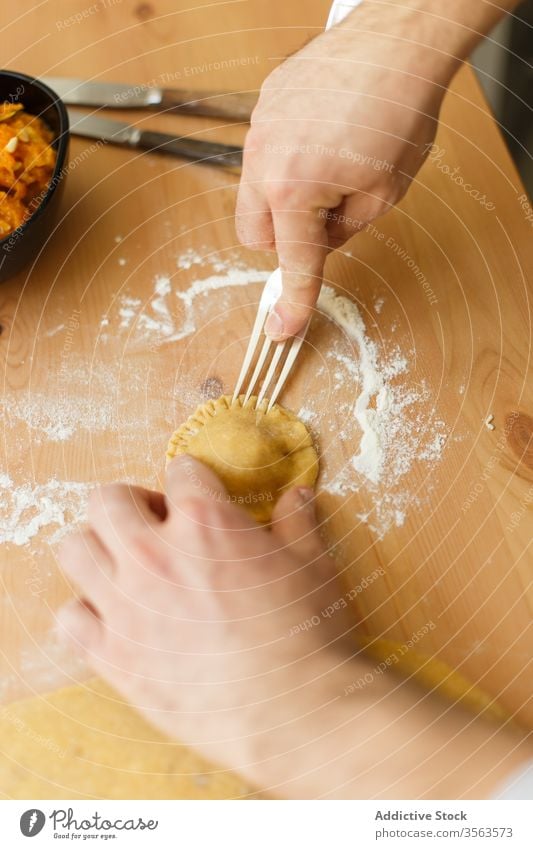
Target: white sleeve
{"x": 339, "y": 10}
{"x": 519, "y": 785}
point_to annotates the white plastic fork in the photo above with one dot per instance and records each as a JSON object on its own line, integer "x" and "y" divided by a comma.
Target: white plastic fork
{"x": 271, "y": 293}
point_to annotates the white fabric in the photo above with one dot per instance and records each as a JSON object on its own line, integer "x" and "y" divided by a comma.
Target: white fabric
{"x": 519, "y": 785}
{"x": 339, "y": 10}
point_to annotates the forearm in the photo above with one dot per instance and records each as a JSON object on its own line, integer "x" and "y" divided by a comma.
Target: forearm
{"x": 440, "y": 33}
{"x": 384, "y": 740}
{"x": 379, "y": 76}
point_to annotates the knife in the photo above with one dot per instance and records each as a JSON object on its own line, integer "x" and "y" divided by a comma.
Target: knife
{"x": 236, "y": 106}
{"x": 116, "y": 132}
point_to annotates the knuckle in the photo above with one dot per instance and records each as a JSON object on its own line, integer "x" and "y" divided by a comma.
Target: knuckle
{"x": 294, "y": 282}
{"x": 252, "y": 229}
{"x": 280, "y": 194}
{"x": 372, "y": 208}
{"x": 255, "y": 234}
{"x": 70, "y": 549}
{"x": 400, "y": 187}
{"x": 254, "y": 142}
{"x": 105, "y": 496}
{"x": 194, "y": 510}
{"x": 142, "y": 546}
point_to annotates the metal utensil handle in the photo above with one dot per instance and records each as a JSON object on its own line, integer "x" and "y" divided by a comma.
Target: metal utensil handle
{"x": 209, "y": 153}
{"x": 236, "y": 106}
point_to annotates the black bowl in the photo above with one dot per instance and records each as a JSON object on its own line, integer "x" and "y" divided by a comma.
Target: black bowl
{"x": 18, "y": 248}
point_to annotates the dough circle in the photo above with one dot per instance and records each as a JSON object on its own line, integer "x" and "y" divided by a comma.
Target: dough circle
{"x": 257, "y": 454}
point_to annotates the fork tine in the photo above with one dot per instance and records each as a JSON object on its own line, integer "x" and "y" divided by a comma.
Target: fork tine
{"x": 268, "y": 297}
{"x": 271, "y": 369}
{"x": 252, "y": 344}
{"x": 287, "y": 365}
{"x": 262, "y": 357}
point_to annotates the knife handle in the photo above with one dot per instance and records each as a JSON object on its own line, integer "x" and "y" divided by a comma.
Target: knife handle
{"x": 203, "y": 152}
{"x": 235, "y": 107}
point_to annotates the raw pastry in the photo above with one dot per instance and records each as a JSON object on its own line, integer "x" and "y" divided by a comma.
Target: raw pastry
{"x": 257, "y": 454}
{"x": 85, "y": 742}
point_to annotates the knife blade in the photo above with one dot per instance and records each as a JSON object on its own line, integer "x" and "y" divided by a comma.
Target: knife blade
{"x": 235, "y": 106}
{"x": 117, "y": 132}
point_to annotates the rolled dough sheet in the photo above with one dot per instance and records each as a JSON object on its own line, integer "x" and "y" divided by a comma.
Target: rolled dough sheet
{"x": 435, "y": 675}
{"x": 85, "y": 742}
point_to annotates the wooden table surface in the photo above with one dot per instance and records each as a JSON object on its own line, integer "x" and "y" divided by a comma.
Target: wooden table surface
{"x": 92, "y": 383}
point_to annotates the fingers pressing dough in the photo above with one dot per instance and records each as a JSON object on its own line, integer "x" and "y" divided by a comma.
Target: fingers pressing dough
{"x": 257, "y": 454}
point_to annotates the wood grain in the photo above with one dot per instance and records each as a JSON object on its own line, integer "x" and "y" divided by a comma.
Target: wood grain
{"x": 462, "y": 559}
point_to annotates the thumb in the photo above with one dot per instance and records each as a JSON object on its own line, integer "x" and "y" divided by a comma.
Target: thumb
{"x": 301, "y": 243}
{"x": 294, "y": 524}
{"x": 194, "y": 492}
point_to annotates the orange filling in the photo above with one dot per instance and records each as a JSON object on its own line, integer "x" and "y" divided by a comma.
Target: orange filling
{"x": 27, "y": 161}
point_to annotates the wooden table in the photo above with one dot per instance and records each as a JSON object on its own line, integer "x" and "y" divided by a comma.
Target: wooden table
{"x": 90, "y": 393}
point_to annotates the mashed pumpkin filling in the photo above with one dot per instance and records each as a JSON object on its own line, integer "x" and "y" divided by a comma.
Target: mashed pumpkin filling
{"x": 27, "y": 162}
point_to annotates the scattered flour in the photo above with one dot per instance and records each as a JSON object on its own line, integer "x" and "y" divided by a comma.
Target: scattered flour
{"x": 161, "y": 320}
{"x": 189, "y": 258}
{"x": 218, "y": 263}
{"x": 54, "y": 331}
{"x": 157, "y": 322}
{"x": 307, "y": 415}
{"x": 392, "y": 423}
{"x": 57, "y": 416}
{"x": 238, "y": 277}
{"x": 28, "y": 509}
{"x": 395, "y": 428}
{"x": 128, "y": 310}
{"x": 369, "y": 461}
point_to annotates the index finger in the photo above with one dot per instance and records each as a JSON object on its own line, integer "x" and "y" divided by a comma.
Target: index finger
{"x": 302, "y": 246}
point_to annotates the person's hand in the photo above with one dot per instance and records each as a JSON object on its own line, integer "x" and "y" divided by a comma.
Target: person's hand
{"x": 339, "y": 131}
{"x": 232, "y": 638}
{"x": 197, "y": 614}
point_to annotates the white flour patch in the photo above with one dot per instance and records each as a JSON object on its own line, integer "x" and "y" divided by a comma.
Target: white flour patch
{"x": 237, "y": 277}
{"x": 392, "y": 422}
{"x": 308, "y": 416}
{"x": 29, "y": 509}
{"x": 189, "y": 258}
{"x": 55, "y": 417}
{"x": 157, "y": 322}
{"x": 128, "y": 310}
{"x": 54, "y": 331}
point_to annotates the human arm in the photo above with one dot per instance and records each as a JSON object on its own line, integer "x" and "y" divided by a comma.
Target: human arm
{"x": 195, "y": 613}
{"x": 342, "y": 127}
